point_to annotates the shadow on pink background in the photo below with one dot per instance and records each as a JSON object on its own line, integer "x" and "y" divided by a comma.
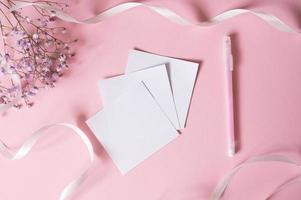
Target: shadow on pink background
{"x": 267, "y": 102}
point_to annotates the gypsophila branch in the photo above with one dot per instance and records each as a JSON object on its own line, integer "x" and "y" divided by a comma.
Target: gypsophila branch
{"x": 33, "y": 49}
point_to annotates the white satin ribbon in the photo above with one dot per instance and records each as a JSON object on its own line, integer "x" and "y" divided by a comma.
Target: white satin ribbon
{"x": 224, "y": 182}
{"x": 30, "y": 142}
{"x": 283, "y": 186}
{"x": 170, "y": 15}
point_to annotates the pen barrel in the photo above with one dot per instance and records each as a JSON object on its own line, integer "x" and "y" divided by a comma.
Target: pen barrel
{"x": 230, "y": 113}
{"x": 228, "y": 67}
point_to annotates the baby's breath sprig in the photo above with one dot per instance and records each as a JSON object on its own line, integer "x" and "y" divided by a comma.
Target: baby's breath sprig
{"x": 33, "y": 50}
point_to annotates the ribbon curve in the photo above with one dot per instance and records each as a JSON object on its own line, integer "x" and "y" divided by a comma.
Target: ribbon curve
{"x": 224, "y": 182}
{"x": 281, "y": 187}
{"x": 30, "y": 142}
{"x": 172, "y": 16}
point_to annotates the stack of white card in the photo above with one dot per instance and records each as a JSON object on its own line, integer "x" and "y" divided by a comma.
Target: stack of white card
{"x": 144, "y": 108}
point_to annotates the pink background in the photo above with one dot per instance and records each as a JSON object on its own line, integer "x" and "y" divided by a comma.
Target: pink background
{"x": 268, "y": 111}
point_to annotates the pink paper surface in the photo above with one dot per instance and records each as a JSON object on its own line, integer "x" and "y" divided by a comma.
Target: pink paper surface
{"x": 267, "y": 102}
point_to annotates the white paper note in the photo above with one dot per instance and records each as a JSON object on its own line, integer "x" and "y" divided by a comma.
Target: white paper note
{"x": 182, "y": 76}
{"x": 157, "y": 82}
{"x": 132, "y": 128}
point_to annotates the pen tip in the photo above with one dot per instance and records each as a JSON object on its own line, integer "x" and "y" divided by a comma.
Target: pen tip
{"x": 227, "y": 38}
{"x": 231, "y": 152}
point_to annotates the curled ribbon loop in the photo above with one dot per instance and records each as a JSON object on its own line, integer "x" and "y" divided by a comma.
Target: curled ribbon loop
{"x": 281, "y": 187}
{"x": 170, "y": 15}
{"x": 30, "y": 142}
{"x": 224, "y": 182}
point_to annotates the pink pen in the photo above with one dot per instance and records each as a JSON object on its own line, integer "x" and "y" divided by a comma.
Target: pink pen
{"x": 229, "y": 95}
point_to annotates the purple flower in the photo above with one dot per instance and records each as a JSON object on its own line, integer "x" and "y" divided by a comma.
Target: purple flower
{"x": 38, "y": 56}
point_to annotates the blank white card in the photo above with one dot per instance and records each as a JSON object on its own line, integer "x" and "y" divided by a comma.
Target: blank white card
{"x": 133, "y": 127}
{"x": 182, "y": 76}
{"x": 156, "y": 81}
